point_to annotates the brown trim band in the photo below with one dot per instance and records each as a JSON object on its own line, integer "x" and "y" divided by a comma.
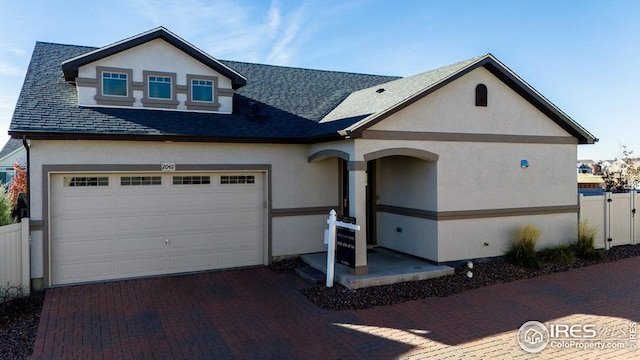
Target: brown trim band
{"x": 464, "y": 137}
{"x": 318, "y": 210}
{"x": 357, "y": 166}
{"x": 477, "y": 214}
{"x": 36, "y": 225}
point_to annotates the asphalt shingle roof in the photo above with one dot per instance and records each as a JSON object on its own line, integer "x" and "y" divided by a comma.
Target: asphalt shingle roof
{"x": 292, "y": 102}
{"x": 277, "y": 104}
{"x": 10, "y": 147}
{"x": 383, "y": 96}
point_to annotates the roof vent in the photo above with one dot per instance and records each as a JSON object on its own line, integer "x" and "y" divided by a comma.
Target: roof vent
{"x": 255, "y": 112}
{"x": 380, "y": 91}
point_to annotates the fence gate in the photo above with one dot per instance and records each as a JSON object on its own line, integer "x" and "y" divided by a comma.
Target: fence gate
{"x": 614, "y": 217}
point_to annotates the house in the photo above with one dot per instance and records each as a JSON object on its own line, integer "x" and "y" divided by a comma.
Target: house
{"x": 12, "y": 152}
{"x": 584, "y": 168}
{"x": 149, "y": 156}
{"x": 590, "y": 184}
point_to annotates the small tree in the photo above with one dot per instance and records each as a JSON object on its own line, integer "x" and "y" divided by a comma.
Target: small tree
{"x": 19, "y": 182}
{"x": 626, "y": 176}
{"x": 5, "y": 210}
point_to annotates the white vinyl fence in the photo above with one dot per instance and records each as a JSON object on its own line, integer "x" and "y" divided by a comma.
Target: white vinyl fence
{"x": 614, "y": 216}
{"x": 14, "y": 256}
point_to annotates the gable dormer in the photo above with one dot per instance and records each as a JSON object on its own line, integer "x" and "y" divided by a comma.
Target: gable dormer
{"x": 153, "y": 70}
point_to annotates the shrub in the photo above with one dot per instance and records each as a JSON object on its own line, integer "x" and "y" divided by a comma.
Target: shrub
{"x": 19, "y": 182}
{"x": 560, "y": 254}
{"x": 584, "y": 245}
{"x": 5, "y": 208}
{"x": 523, "y": 250}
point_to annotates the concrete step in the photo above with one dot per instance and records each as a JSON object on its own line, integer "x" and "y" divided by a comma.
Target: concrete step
{"x": 311, "y": 275}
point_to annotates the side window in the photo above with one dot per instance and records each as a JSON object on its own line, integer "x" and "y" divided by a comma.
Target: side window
{"x": 114, "y": 84}
{"x": 481, "y": 95}
{"x": 201, "y": 90}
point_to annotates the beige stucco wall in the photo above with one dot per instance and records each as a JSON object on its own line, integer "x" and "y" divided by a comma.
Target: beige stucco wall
{"x": 408, "y": 234}
{"x": 155, "y": 55}
{"x": 452, "y": 109}
{"x": 407, "y": 182}
{"x": 475, "y": 175}
{"x": 464, "y": 239}
{"x": 295, "y": 183}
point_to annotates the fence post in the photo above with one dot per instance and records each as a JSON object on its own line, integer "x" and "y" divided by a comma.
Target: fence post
{"x": 634, "y": 205}
{"x": 25, "y": 250}
{"x": 607, "y": 220}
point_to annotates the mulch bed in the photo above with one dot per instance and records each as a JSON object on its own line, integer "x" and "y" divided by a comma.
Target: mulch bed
{"x": 19, "y": 320}
{"x": 484, "y": 274}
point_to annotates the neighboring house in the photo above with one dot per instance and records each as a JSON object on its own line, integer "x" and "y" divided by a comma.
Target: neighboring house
{"x": 11, "y": 152}
{"x": 149, "y": 156}
{"x": 590, "y": 184}
{"x": 585, "y": 169}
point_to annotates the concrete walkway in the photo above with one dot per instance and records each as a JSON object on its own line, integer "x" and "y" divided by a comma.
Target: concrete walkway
{"x": 255, "y": 314}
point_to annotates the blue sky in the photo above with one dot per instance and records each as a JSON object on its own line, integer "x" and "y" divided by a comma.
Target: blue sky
{"x": 583, "y": 55}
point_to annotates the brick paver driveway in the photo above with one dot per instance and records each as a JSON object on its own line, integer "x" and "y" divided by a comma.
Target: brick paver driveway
{"x": 255, "y": 314}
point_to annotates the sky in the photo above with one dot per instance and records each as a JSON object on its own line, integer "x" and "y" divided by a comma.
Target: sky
{"x": 582, "y": 55}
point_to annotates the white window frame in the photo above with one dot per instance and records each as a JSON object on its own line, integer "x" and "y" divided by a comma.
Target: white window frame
{"x": 126, "y": 83}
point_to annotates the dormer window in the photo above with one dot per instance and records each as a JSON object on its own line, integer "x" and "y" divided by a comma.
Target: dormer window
{"x": 114, "y": 84}
{"x": 159, "y": 87}
{"x": 159, "y": 90}
{"x": 201, "y": 90}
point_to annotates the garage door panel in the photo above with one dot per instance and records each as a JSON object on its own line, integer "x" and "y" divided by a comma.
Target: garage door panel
{"x": 152, "y": 203}
{"x": 81, "y": 247}
{"x": 244, "y": 219}
{"x": 192, "y": 220}
{"x": 78, "y": 226}
{"x": 238, "y": 199}
{"x": 238, "y": 258}
{"x": 141, "y": 244}
{"x": 120, "y": 231}
{"x": 195, "y": 241}
{"x": 237, "y": 239}
{"x": 81, "y": 205}
{"x": 193, "y": 262}
{"x": 196, "y": 200}
{"x": 141, "y": 266}
{"x": 80, "y": 272}
{"x": 138, "y": 222}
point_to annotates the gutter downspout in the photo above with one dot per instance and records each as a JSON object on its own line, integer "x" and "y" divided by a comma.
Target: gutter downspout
{"x": 26, "y": 146}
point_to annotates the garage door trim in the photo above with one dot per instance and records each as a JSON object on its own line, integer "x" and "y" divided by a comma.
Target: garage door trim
{"x": 49, "y": 170}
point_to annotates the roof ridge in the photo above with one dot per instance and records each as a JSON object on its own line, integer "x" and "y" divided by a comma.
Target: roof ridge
{"x": 309, "y": 69}
{"x": 68, "y": 45}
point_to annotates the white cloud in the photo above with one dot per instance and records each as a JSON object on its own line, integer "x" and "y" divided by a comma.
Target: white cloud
{"x": 230, "y": 29}
{"x": 282, "y": 49}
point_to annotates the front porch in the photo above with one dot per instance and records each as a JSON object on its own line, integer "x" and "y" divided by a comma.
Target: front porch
{"x": 385, "y": 267}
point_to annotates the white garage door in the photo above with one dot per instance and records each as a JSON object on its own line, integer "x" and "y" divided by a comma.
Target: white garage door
{"x": 114, "y": 226}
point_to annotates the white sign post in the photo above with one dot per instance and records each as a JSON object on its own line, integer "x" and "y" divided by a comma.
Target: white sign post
{"x": 330, "y": 237}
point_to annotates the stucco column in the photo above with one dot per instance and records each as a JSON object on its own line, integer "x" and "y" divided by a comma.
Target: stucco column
{"x": 358, "y": 209}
